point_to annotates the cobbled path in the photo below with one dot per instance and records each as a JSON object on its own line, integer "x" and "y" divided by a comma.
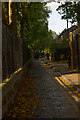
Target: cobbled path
{"x": 53, "y": 101}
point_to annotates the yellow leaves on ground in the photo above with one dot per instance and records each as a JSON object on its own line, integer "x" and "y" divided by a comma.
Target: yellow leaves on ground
{"x": 73, "y": 89}
{"x": 25, "y": 102}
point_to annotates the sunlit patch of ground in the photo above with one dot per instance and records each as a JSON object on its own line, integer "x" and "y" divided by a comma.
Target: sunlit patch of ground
{"x": 73, "y": 89}
{"x": 25, "y": 102}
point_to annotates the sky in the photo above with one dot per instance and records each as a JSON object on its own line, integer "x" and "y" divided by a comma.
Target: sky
{"x": 55, "y": 23}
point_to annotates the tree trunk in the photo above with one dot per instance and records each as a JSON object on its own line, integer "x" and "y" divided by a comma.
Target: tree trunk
{"x": 10, "y": 13}
{"x": 67, "y": 23}
{"x": 12, "y": 17}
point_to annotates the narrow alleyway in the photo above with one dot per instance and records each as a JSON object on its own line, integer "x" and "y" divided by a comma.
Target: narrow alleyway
{"x": 40, "y": 60}
{"x": 53, "y": 100}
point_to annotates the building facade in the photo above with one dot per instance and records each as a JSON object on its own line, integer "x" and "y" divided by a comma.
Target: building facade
{"x": 71, "y": 35}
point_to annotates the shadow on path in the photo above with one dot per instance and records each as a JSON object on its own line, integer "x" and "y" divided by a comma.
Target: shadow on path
{"x": 41, "y": 96}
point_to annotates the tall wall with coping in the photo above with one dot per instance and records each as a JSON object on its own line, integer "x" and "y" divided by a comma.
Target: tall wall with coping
{"x": 12, "y": 52}
{"x": 0, "y": 42}
{"x": 12, "y": 85}
{"x": 79, "y": 41}
{"x": 15, "y": 64}
{"x": 79, "y": 49}
{"x": 0, "y": 59}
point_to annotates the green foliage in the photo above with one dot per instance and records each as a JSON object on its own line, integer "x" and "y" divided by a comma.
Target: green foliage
{"x": 53, "y": 45}
{"x": 64, "y": 10}
{"x": 32, "y": 24}
{"x": 5, "y": 13}
{"x": 75, "y": 12}
{"x": 61, "y": 45}
{"x": 70, "y": 10}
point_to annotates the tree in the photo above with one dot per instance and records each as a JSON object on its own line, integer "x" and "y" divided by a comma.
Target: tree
{"x": 64, "y": 10}
{"x": 29, "y": 21}
{"x": 5, "y": 15}
{"x": 51, "y": 40}
{"x": 9, "y": 15}
{"x": 70, "y": 10}
{"x": 37, "y": 27}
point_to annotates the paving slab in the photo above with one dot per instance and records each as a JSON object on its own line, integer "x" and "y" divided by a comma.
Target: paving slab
{"x": 72, "y": 76}
{"x": 54, "y": 103}
{"x": 53, "y": 99}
